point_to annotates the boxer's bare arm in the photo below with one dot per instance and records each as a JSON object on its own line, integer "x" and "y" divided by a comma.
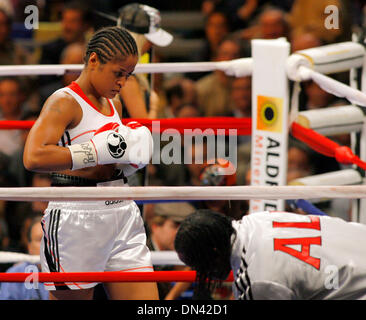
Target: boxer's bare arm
{"x": 41, "y": 152}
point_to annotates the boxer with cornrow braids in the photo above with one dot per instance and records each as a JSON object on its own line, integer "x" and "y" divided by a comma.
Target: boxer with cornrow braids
{"x": 80, "y": 140}
{"x": 108, "y": 42}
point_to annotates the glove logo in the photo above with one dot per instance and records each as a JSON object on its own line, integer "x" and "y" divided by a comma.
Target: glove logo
{"x": 116, "y": 145}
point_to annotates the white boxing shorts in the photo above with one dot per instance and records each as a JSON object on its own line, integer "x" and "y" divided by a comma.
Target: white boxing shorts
{"x": 93, "y": 236}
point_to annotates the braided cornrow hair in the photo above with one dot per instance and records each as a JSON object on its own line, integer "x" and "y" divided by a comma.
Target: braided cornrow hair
{"x": 203, "y": 242}
{"x": 108, "y": 42}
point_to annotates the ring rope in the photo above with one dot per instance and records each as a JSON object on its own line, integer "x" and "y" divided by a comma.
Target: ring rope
{"x": 242, "y": 126}
{"x": 332, "y": 86}
{"x": 110, "y": 276}
{"x": 326, "y": 146}
{"x": 181, "y": 193}
{"x": 237, "y": 67}
{"x": 157, "y": 258}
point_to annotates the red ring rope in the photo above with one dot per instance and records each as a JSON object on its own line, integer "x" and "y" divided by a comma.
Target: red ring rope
{"x": 111, "y": 276}
{"x": 241, "y": 125}
{"x": 326, "y": 146}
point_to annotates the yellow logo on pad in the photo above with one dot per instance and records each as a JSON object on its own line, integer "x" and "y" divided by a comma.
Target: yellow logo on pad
{"x": 269, "y": 114}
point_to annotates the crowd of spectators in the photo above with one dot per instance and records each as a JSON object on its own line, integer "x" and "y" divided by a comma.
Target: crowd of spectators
{"x": 228, "y": 29}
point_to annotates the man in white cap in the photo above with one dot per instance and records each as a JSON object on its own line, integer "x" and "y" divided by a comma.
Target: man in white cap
{"x": 165, "y": 223}
{"x": 143, "y": 22}
{"x": 143, "y": 19}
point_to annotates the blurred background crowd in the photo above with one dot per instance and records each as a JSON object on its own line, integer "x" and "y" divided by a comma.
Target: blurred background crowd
{"x": 206, "y": 30}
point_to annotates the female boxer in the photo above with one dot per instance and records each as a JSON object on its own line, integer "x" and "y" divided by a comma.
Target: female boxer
{"x": 79, "y": 138}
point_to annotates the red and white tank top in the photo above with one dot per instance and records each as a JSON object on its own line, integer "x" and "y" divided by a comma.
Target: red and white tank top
{"x": 91, "y": 120}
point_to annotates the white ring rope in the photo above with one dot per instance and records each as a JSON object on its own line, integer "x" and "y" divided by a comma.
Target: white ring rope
{"x": 181, "y": 193}
{"x": 238, "y": 68}
{"x": 314, "y": 63}
{"x": 327, "y": 59}
{"x": 332, "y": 120}
{"x": 333, "y": 86}
{"x": 157, "y": 258}
{"x": 298, "y": 69}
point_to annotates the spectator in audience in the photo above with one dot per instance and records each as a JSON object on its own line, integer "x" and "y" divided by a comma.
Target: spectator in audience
{"x": 187, "y": 110}
{"x": 216, "y": 29}
{"x": 11, "y": 108}
{"x": 213, "y": 90}
{"x": 28, "y": 217}
{"x": 73, "y": 53}
{"x": 19, "y": 13}
{"x": 17, "y": 214}
{"x": 299, "y": 157}
{"x": 75, "y": 23}
{"x": 195, "y": 159}
{"x": 316, "y": 97}
{"x": 14, "y": 53}
{"x": 27, "y": 291}
{"x": 303, "y": 162}
{"x": 241, "y": 94}
{"x": 304, "y": 41}
{"x": 4, "y": 234}
{"x": 241, "y": 97}
{"x": 40, "y": 180}
{"x": 174, "y": 97}
{"x": 177, "y": 173}
{"x": 11, "y": 53}
{"x": 221, "y": 173}
{"x": 192, "y": 157}
{"x": 239, "y": 12}
{"x": 272, "y": 24}
{"x": 164, "y": 223}
{"x": 19, "y": 174}
{"x": 143, "y": 22}
{"x": 163, "y": 228}
{"x": 299, "y": 160}
{"x": 310, "y": 16}
{"x": 178, "y": 90}
{"x": 243, "y": 161}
